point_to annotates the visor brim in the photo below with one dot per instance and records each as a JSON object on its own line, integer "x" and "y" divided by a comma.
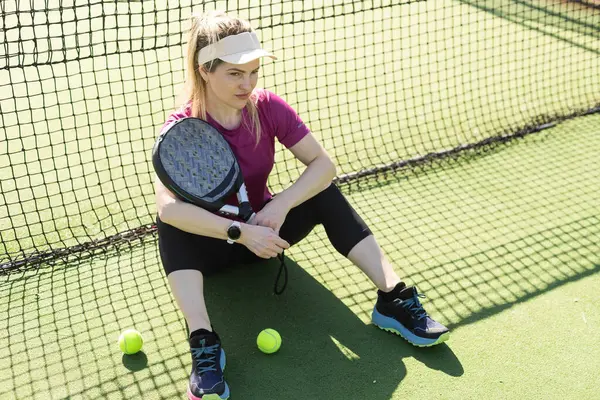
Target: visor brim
{"x": 247, "y": 56}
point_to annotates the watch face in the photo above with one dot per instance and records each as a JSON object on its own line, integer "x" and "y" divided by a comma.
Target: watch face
{"x": 234, "y": 233}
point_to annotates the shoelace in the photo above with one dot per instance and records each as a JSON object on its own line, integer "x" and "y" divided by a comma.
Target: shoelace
{"x": 413, "y": 305}
{"x": 282, "y": 268}
{"x": 205, "y": 355}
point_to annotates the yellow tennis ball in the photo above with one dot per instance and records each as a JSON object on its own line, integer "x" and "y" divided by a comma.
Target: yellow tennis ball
{"x": 268, "y": 341}
{"x": 130, "y": 341}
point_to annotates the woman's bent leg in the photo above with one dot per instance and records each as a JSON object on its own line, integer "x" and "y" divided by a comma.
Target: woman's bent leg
{"x": 187, "y": 286}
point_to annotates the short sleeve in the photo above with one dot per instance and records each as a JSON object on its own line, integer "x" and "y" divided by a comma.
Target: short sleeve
{"x": 288, "y": 126}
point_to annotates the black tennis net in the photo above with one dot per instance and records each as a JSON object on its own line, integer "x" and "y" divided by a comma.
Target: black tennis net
{"x": 386, "y": 86}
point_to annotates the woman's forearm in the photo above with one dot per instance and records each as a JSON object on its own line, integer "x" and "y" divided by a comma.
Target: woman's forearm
{"x": 189, "y": 218}
{"x": 316, "y": 177}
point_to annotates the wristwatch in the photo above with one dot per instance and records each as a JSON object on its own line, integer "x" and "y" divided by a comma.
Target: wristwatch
{"x": 233, "y": 232}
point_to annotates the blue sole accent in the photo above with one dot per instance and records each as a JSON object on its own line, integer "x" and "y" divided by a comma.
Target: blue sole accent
{"x": 225, "y": 394}
{"x": 222, "y": 359}
{"x": 391, "y": 325}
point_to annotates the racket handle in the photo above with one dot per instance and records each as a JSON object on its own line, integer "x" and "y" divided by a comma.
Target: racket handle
{"x": 249, "y": 221}
{"x": 245, "y": 211}
{"x": 229, "y": 209}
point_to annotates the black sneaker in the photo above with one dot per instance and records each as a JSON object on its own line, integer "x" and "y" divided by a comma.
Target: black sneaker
{"x": 208, "y": 363}
{"x": 400, "y": 312}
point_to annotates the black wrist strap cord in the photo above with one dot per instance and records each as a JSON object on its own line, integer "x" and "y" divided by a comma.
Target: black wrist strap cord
{"x": 282, "y": 269}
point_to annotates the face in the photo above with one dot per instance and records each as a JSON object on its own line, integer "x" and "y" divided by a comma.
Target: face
{"x": 230, "y": 85}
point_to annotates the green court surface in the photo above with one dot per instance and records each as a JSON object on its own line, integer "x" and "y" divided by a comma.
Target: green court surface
{"x": 504, "y": 241}
{"x": 505, "y": 245}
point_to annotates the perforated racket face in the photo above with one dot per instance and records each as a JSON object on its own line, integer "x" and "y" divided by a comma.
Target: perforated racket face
{"x": 198, "y": 160}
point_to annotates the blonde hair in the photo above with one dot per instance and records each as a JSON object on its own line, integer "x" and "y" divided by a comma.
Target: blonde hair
{"x": 207, "y": 29}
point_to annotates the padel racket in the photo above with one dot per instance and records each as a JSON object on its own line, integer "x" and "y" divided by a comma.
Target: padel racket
{"x": 193, "y": 160}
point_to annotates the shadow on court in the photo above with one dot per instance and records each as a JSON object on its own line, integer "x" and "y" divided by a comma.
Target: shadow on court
{"x": 327, "y": 351}
{"x": 552, "y": 19}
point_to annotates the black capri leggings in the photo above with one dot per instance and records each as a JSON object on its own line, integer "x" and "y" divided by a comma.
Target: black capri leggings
{"x": 344, "y": 227}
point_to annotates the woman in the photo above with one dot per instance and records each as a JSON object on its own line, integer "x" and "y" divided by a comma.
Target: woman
{"x": 223, "y": 63}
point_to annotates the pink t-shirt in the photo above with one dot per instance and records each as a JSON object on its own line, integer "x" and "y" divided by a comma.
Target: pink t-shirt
{"x": 277, "y": 120}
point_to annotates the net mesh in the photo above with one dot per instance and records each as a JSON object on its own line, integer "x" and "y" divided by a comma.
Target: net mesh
{"x": 386, "y": 86}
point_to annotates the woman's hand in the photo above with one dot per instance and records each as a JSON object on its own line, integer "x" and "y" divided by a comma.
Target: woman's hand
{"x": 272, "y": 215}
{"x": 262, "y": 241}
